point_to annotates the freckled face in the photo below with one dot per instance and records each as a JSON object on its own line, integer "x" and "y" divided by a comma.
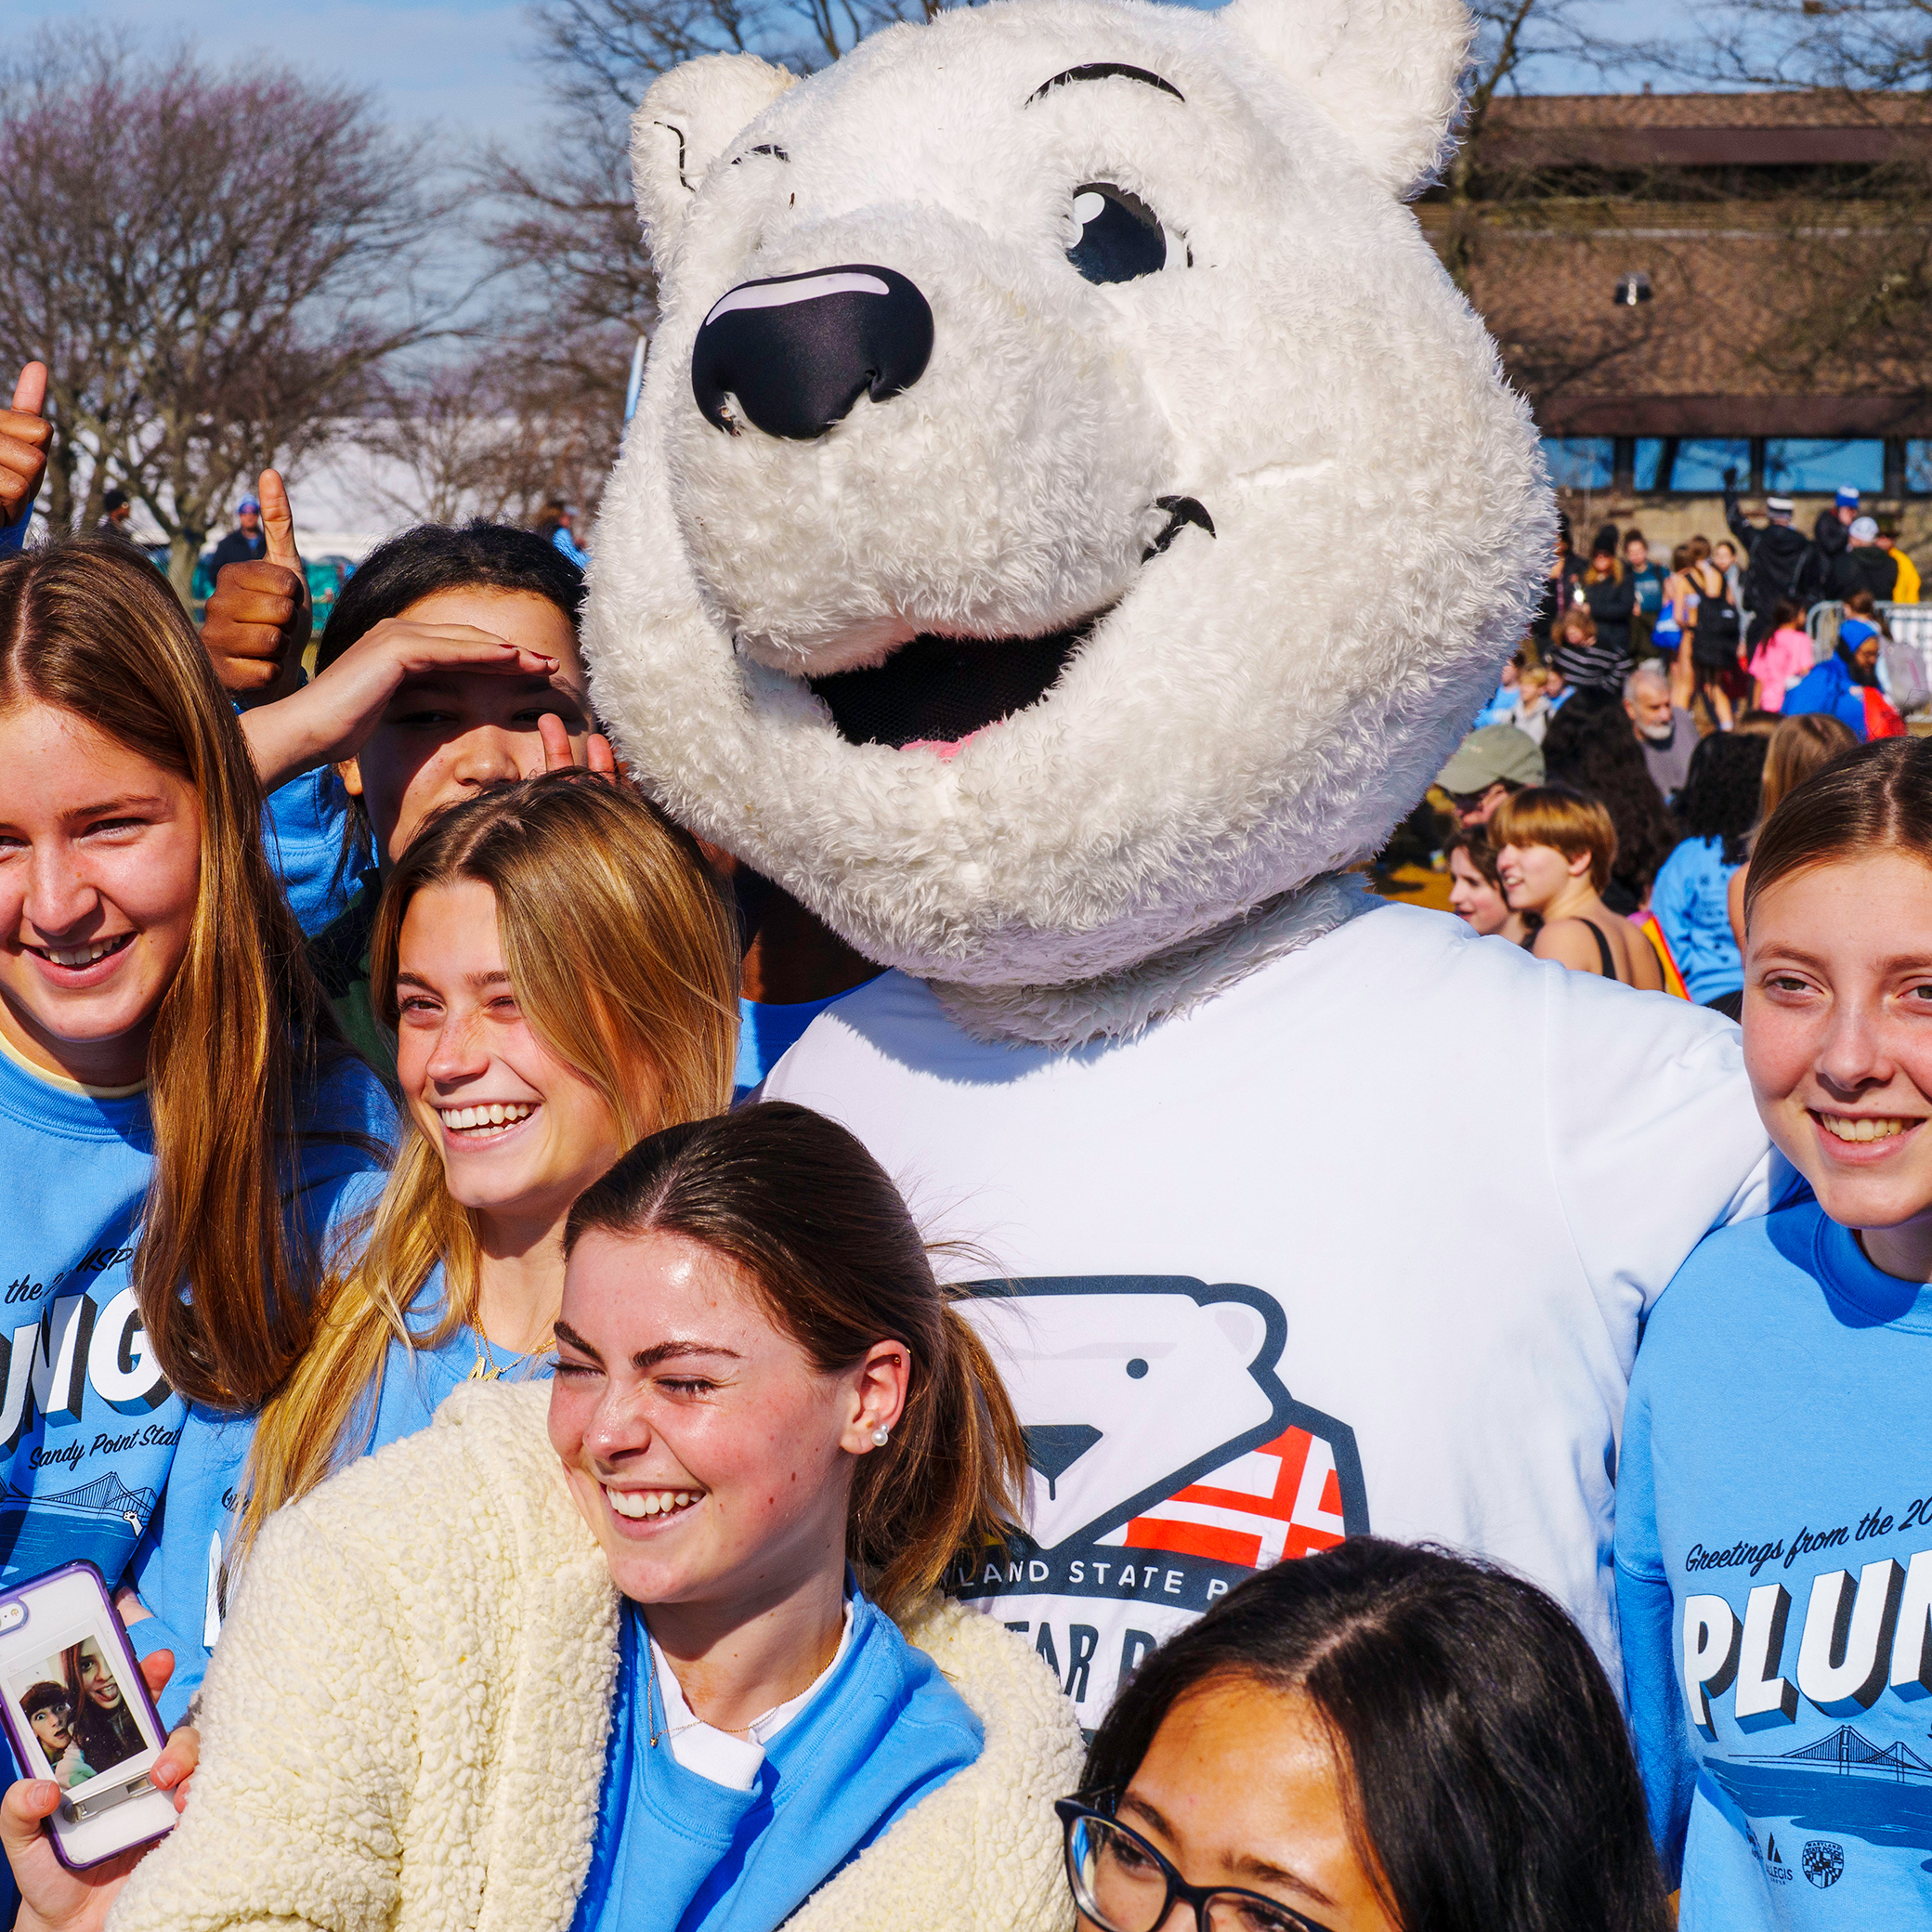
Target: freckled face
{"x": 703, "y": 1448}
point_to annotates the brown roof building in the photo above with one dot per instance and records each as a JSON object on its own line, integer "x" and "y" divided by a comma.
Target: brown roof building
{"x": 1686, "y": 284}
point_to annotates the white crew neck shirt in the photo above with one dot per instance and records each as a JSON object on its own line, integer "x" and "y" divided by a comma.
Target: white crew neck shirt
{"x": 1365, "y": 1243}
{"x": 719, "y": 1756}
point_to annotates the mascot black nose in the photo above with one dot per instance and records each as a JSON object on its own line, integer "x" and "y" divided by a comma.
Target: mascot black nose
{"x": 797, "y": 351}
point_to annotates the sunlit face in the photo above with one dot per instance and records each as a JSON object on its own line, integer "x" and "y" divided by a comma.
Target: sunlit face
{"x": 1648, "y": 707}
{"x": 1534, "y": 875}
{"x": 1839, "y": 1033}
{"x": 1723, "y": 555}
{"x": 1574, "y": 635}
{"x": 1472, "y": 898}
{"x": 1240, "y": 1787}
{"x": 97, "y": 1685}
{"x": 711, "y": 1458}
{"x": 1637, "y": 552}
{"x": 52, "y": 1725}
{"x": 100, "y": 866}
{"x": 448, "y": 735}
{"x": 520, "y": 1132}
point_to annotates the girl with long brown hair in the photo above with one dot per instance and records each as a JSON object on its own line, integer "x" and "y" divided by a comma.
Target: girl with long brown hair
{"x": 557, "y": 967}
{"x": 661, "y": 1647}
{"x": 179, "y": 1120}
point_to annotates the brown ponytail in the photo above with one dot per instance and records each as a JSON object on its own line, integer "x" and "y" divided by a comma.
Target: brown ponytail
{"x": 798, "y": 1203}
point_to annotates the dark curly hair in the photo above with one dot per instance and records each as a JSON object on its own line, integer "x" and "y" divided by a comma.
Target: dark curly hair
{"x": 1721, "y": 795}
{"x": 1590, "y": 747}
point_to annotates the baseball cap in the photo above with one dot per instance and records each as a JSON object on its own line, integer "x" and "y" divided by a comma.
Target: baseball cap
{"x": 1865, "y": 528}
{"x": 1779, "y": 506}
{"x": 1847, "y": 496}
{"x": 248, "y": 502}
{"x": 1495, "y": 752}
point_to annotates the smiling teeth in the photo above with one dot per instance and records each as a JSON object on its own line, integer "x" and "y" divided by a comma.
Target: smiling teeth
{"x": 638, "y": 1504}
{"x": 81, "y": 955}
{"x": 1847, "y": 1129}
{"x": 495, "y": 1115}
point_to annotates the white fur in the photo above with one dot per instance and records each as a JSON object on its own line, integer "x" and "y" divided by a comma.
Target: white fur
{"x": 1256, "y": 709}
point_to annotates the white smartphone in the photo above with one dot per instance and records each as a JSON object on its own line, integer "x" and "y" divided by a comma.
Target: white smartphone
{"x": 76, "y": 1710}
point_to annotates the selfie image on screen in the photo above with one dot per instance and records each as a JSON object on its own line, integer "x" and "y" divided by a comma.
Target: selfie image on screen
{"x": 81, "y": 1717}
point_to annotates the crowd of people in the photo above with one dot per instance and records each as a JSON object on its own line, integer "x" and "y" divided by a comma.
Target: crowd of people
{"x": 380, "y": 1067}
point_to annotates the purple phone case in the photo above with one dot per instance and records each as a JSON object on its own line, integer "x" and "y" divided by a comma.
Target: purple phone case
{"x": 18, "y": 1744}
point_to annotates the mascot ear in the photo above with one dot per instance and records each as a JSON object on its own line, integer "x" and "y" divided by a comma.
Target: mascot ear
{"x": 1385, "y": 72}
{"x": 682, "y": 125}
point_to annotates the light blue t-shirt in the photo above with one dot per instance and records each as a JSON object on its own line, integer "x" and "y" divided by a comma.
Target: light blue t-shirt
{"x": 1692, "y": 901}
{"x": 765, "y": 1034}
{"x": 305, "y": 825}
{"x": 1774, "y": 1581}
{"x": 180, "y": 1568}
{"x": 676, "y": 1853}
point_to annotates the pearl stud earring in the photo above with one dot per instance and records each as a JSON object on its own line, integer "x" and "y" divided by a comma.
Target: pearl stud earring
{"x": 880, "y": 1437}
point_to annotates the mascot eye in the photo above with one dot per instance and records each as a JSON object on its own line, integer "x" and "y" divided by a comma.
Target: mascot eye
{"x": 1120, "y": 235}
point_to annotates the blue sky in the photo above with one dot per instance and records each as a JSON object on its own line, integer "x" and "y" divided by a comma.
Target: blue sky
{"x": 466, "y": 65}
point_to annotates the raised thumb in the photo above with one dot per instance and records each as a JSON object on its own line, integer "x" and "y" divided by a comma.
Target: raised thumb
{"x": 278, "y": 521}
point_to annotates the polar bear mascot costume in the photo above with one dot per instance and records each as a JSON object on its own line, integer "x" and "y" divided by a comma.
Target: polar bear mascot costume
{"x": 1069, "y": 518}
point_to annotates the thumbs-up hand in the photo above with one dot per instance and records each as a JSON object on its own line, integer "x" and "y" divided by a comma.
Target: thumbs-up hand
{"x": 260, "y": 618}
{"x": 24, "y": 435}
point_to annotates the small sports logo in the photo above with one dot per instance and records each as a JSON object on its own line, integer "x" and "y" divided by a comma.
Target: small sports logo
{"x": 1824, "y": 1861}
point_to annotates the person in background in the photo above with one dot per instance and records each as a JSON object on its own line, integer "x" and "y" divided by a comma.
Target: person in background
{"x": 1497, "y": 711}
{"x": 1554, "y": 849}
{"x": 1690, "y": 897}
{"x": 1866, "y": 565}
{"x": 1845, "y": 685}
{"x": 1591, "y": 748}
{"x": 1668, "y": 734}
{"x": 665, "y": 1645}
{"x": 1586, "y": 663}
{"x": 1476, "y": 895}
{"x": 246, "y": 542}
{"x": 116, "y": 517}
{"x": 1540, "y": 692}
{"x": 557, "y": 527}
{"x": 1717, "y": 631}
{"x": 1725, "y": 557}
{"x": 1558, "y": 586}
{"x": 520, "y": 1089}
{"x": 1905, "y": 588}
{"x": 1779, "y": 564}
{"x": 1485, "y": 769}
{"x": 1798, "y": 748}
{"x": 1611, "y": 595}
{"x": 1372, "y": 1738}
{"x": 1771, "y": 1570}
{"x": 1647, "y": 583}
{"x": 1784, "y": 657}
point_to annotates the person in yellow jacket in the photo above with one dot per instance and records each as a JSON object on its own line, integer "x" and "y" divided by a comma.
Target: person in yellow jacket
{"x": 1906, "y": 591}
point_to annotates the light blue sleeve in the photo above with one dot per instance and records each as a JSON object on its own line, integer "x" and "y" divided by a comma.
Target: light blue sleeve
{"x": 1647, "y": 1621}
{"x": 306, "y": 828}
{"x": 1670, "y": 899}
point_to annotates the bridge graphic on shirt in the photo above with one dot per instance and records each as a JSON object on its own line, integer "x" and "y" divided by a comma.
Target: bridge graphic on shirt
{"x": 1846, "y": 1750}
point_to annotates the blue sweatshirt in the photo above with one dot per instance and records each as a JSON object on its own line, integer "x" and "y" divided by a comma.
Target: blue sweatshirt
{"x": 180, "y": 1568}
{"x": 305, "y": 827}
{"x": 88, "y": 1424}
{"x": 1692, "y": 901}
{"x": 676, "y": 1853}
{"x": 1774, "y": 1581}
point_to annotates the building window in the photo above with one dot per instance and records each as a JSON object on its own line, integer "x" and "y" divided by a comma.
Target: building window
{"x": 1918, "y": 467}
{"x": 1799, "y": 466}
{"x": 1650, "y": 459}
{"x": 1580, "y": 462}
{"x": 1701, "y": 463}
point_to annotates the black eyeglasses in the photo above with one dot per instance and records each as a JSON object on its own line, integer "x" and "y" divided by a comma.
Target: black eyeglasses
{"x": 1123, "y": 1885}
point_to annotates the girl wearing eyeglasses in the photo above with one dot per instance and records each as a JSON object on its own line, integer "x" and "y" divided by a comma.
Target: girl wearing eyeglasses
{"x": 1372, "y": 1739}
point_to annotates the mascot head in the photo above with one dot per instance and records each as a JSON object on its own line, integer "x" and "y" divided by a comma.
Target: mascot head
{"x": 1070, "y": 512}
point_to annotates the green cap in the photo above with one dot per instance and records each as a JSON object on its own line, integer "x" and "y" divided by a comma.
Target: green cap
{"x": 1496, "y": 751}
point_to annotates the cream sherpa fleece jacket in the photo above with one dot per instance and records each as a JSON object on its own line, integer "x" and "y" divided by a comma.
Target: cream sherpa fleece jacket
{"x": 404, "y": 1724}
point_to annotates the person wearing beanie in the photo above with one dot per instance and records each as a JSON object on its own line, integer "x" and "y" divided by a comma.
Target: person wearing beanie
{"x": 1778, "y": 563}
{"x": 243, "y": 545}
{"x": 1865, "y": 564}
{"x": 1845, "y": 506}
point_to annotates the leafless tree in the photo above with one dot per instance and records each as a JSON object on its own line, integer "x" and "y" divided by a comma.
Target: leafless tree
{"x": 213, "y": 265}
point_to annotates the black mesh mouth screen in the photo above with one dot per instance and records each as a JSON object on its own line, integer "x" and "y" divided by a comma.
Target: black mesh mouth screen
{"x": 945, "y": 689}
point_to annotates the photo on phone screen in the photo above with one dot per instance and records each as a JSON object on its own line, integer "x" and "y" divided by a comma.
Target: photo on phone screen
{"x": 83, "y": 1721}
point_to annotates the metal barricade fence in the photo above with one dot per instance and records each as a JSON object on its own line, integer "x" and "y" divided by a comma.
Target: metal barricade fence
{"x": 1910, "y": 625}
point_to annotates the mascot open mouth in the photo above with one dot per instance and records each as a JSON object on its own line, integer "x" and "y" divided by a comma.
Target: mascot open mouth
{"x": 940, "y": 690}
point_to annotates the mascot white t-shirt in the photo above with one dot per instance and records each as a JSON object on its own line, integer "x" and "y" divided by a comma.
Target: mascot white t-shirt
{"x": 1364, "y": 1242}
